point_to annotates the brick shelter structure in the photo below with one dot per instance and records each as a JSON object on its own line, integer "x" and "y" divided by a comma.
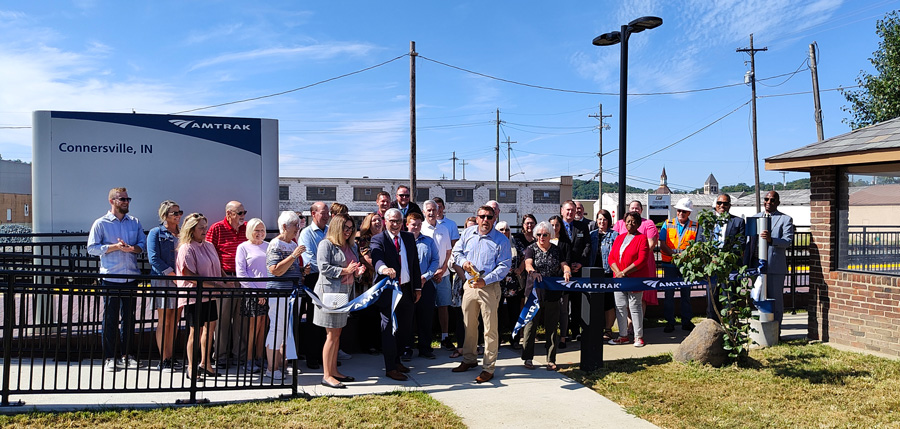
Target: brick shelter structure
{"x": 855, "y": 226}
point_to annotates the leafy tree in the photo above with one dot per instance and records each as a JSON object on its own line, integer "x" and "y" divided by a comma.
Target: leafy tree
{"x": 706, "y": 260}
{"x": 879, "y": 98}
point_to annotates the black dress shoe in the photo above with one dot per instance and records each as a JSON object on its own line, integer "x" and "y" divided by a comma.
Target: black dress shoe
{"x": 407, "y": 355}
{"x": 346, "y": 379}
{"x": 202, "y": 371}
{"x": 313, "y": 365}
{"x": 427, "y": 355}
{"x": 337, "y": 385}
{"x": 396, "y": 375}
{"x": 669, "y": 328}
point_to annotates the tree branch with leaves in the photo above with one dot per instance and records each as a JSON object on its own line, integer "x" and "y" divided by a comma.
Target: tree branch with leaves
{"x": 714, "y": 262}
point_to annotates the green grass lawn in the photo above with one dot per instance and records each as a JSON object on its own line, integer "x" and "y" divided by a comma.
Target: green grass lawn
{"x": 790, "y": 385}
{"x": 399, "y": 409}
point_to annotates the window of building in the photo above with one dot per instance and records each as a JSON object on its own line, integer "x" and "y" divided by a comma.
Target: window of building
{"x": 321, "y": 193}
{"x": 284, "y": 192}
{"x": 868, "y": 225}
{"x": 422, "y": 194}
{"x": 542, "y": 196}
{"x": 460, "y": 196}
{"x": 507, "y": 196}
{"x": 365, "y": 193}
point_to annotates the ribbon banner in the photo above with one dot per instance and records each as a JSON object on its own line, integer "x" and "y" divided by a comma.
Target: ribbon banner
{"x": 364, "y": 300}
{"x": 626, "y": 284}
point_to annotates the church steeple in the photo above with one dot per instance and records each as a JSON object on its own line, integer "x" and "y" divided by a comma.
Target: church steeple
{"x": 663, "y": 184}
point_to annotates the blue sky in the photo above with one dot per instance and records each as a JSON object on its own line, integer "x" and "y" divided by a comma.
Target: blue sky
{"x": 171, "y": 56}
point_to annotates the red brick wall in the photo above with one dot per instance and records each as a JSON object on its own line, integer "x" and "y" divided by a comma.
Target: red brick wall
{"x": 859, "y": 310}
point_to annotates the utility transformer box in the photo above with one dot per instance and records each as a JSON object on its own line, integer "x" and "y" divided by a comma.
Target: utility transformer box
{"x": 201, "y": 162}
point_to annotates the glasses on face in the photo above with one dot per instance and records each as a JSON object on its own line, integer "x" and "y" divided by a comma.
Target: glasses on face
{"x": 542, "y": 234}
{"x": 403, "y": 195}
{"x": 502, "y": 229}
{"x": 488, "y": 217}
{"x": 348, "y": 228}
{"x": 178, "y": 213}
{"x": 124, "y": 199}
{"x": 681, "y": 211}
{"x": 394, "y": 220}
{"x": 197, "y": 215}
{"x": 723, "y": 203}
{"x": 770, "y": 199}
{"x": 241, "y": 213}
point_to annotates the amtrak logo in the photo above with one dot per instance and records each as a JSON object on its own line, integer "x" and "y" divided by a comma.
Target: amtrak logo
{"x": 567, "y": 284}
{"x": 180, "y": 122}
{"x": 652, "y": 283}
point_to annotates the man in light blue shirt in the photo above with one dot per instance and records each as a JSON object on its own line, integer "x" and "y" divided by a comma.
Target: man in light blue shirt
{"x": 313, "y": 336}
{"x": 429, "y": 264}
{"x": 486, "y": 251}
{"x": 117, "y": 239}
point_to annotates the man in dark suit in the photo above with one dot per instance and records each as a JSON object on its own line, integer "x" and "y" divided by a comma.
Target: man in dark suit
{"x": 734, "y": 230}
{"x": 574, "y": 235}
{"x": 405, "y": 204}
{"x": 394, "y": 255}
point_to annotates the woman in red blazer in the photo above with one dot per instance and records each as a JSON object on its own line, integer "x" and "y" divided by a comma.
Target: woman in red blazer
{"x": 628, "y": 258}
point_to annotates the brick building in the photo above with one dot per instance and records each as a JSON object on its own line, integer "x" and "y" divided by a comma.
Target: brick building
{"x": 855, "y": 256}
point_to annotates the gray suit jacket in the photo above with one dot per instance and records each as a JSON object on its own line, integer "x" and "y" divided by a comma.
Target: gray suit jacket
{"x": 782, "y": 232}
{"x": 331, "y": 261}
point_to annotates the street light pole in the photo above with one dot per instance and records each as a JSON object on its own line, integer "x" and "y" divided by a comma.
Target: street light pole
{"x": 621, "y": 36}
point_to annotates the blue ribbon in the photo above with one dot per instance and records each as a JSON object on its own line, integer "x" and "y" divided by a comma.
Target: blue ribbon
{"x": 365, "y": 299}
{"x": 626, "y": 284}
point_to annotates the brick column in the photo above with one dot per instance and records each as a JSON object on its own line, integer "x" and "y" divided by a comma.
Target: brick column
{"x": 825, "y": 187}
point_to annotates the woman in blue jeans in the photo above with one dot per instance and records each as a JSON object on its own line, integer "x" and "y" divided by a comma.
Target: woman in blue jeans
{"x": 161, "y": 244}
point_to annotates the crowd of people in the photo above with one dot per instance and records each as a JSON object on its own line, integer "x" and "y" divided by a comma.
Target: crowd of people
{"x": 473, "y": 279}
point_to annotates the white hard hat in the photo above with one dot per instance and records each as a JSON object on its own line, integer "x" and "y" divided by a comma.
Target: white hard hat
{"x": 685, "y": 204}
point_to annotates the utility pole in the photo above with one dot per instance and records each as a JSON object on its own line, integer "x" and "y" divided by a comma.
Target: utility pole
{"x": 784, "y": 180}
{"x": 815, "y": 83}
{"x": 454, "y": 165}
{"x": 752, "y": 52}
{"x": 463, "y": 163}
{"x": 508, "y": 165}
{"x": 601, "y": 127}
{"x": 497, "y": 149}
{"x": 412, "y": 121}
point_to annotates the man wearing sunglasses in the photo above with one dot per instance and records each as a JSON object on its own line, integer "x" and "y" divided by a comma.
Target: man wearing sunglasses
{"x": 117, "y": 238}
{"x": 731, "y": 231}
{"x": 779, "y": 236}
{"x": 405, "y": 204}
{"x": 484, "y": 250}
{"x": 226, "y": 235}
{"x": 675, "y": 236}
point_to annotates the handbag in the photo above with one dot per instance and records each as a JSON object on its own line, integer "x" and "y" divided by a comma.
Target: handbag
{"x": 334, "y": 300}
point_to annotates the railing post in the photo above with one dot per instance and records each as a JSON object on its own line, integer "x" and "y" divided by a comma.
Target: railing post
{"x": 9, "y": 310}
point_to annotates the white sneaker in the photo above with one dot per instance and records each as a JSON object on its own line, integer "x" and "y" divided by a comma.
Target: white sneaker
{"x": 127, "y": 362}
{"x": 344, "y": 356}
{"x": 110, "y": 365}
{"x": 639, "y": 342}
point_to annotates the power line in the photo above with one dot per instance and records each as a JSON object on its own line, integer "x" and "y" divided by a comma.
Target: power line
{"x": 691, "y": 134}
{"x": 840, "y": 88}
{"x": 295, "y": 89}
{"x": 573, "y": 91}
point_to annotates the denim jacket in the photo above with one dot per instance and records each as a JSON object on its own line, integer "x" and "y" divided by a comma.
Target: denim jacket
{"x": 161, "y": 246}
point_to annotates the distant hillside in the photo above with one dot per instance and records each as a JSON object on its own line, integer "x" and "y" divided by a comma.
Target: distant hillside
{"x": 582, "y": 190}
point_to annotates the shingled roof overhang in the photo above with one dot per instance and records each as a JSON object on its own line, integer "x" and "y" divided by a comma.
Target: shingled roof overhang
{"x": 874, "y": 144}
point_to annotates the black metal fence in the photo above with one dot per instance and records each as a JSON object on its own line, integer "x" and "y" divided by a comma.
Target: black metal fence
{"x": 871, "y": 249}
{"x": 53, "y": 326}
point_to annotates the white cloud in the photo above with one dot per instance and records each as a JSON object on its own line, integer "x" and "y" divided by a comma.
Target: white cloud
{"x": 219, "y": 32}
{"x": 316, "y": 52}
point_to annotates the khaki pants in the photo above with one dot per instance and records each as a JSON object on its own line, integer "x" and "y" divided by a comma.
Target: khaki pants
{"x": 485, "y": 302}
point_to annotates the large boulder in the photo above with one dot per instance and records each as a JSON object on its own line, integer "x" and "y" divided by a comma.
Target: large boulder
{"x": 705, "y": 344}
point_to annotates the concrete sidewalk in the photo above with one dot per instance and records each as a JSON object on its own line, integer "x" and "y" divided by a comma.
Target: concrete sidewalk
{"x": 516, "y": 397}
